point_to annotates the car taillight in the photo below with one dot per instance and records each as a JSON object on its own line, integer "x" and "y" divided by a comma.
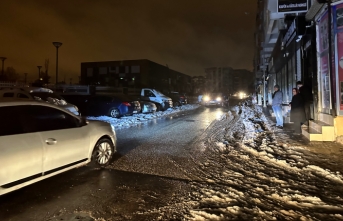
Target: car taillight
{"x": 126, "y": 104}
{"x": 182, "y": 97}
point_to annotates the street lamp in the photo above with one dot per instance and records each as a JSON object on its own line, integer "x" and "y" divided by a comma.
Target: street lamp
{"x": 3, "y": 60}
{"x": 39, "y": 67}
{"x": 57, "y": 45}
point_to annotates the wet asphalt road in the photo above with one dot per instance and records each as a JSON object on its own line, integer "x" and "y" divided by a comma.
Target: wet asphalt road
{"x": 146, "y": 174}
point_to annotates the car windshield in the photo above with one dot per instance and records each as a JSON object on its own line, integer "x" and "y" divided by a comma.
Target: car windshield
{"x": 158, "y": 93}
{"x": 44, "y": 95}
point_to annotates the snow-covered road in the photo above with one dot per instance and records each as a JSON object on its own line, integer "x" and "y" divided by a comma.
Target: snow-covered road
{"x": 244, "y": 173}
{"x": 201, "y": 164}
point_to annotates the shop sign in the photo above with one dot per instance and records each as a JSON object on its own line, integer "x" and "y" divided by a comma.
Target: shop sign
{"x": 292, "y": 6}
{"x": 290, "y": 34}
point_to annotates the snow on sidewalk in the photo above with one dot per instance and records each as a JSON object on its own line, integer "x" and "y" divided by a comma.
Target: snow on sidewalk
{"x": 248, "y": 175}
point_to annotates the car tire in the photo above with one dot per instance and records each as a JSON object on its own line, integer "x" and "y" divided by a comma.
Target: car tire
{"x": 114, "y": 112}
{"x": 159, "y": 107}
{"x": 103, "y": 152}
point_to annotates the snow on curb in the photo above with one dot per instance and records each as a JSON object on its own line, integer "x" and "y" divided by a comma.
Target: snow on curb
{"x": 138, "y": 119}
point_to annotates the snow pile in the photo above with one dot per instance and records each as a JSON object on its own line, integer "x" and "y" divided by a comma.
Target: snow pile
{"x": 138, "y": 119}
{"x": 246, "y": 174}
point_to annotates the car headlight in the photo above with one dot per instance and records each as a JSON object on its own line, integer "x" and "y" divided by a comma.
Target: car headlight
{"x": 206, "y": 98}
{"x": 219, "y": 99}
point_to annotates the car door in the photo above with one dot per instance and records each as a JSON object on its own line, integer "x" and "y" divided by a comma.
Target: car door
{"x": 21, "y": 150}
{"x": 65, "y": 142}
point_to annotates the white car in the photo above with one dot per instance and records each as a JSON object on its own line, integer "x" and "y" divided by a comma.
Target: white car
{"x": 37, "y": 93}
{"x": 39, "y": 140}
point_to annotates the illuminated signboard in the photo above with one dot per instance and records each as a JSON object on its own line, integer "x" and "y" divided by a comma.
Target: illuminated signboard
{"x": 292, "y": 6}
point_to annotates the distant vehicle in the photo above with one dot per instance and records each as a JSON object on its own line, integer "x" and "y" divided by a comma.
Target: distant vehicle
{"x": 112, "y": 106}
{"x": 177, "y": 98}
{"x": 215, "y": 99}
{"x": 162, "y": 101}
{"x": 39, "y": 94}
{"x": 146, "y": 106}
{"x": 39, "y": 140}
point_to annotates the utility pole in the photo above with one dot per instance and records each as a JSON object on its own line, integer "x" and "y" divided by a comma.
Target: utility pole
{"x": 57, "y": 45}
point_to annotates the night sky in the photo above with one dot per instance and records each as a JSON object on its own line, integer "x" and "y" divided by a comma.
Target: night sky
{"x": 188, "y": 35}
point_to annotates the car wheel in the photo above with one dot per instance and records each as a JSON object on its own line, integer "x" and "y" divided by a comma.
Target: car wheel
{"x": 103, "y": 152}
{"x": 114, "y": 112}
{"x": 159, "y": 107}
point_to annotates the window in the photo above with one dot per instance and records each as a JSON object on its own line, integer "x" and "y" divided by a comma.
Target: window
{"x": 103, "y": 70}
{"x": 8, "y": 94}
{"x": 42, "y": 118}
{"x": 135, "y": 69}
{"x": 89, "y": 72}
{"x": 10, "y": 121}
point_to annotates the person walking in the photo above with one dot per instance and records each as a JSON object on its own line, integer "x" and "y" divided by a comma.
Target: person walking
{"x": 277, "y": 106}
{"x": 297, "y": 111}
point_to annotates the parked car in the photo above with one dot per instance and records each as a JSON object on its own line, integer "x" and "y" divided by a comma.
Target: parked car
{"x": 36, "y": 93}
{"x": 39, "y": 140}
{"x": 113, "y": 106}
{"x": 215, "y": 99}
{"x": 148, "y": 107}
{"x": 178, "y": 98}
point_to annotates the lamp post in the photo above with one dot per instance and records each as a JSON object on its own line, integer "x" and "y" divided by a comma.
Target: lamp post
{"x": 3, "y": 60}
{"x": 39, "y": 67}
{"x": 57, "y": 45}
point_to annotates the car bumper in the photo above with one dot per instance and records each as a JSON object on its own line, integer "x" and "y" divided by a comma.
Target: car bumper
{"x": 213, "y": 103}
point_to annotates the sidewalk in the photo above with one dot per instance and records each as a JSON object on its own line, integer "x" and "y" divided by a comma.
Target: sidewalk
{"x": 328, "y": 155}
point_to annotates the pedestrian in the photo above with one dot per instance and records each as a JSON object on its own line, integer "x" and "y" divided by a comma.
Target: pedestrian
{"x": 306, "y": 93}
{"x": 297, "y": 111}
{"x": 277, "y": 106}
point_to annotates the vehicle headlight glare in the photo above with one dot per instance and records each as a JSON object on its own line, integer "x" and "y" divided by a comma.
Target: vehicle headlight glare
{"x": 206, "y": 98}
{"x": 218, "y": 99}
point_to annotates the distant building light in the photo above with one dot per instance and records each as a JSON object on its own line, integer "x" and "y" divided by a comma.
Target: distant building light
{"x": 133, "y": 79}
{"x": 121, "y": 78}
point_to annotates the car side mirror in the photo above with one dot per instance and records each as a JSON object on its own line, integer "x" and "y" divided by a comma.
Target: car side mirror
{"x": 84, "y": 121}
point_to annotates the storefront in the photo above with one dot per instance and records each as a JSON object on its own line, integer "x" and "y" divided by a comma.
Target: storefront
{"x": 338, "y": 51}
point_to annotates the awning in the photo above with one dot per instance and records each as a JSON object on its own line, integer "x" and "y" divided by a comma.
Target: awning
{"x": 313, "y": 11}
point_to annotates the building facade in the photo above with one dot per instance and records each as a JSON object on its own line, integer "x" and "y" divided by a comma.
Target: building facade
{"x": 294, "y": 45}
{"x": 228, "y": 80}
{"x": 134, "y": 74}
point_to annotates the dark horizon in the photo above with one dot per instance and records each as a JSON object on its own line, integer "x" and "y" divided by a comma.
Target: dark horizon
{"x": 188, "y": 37}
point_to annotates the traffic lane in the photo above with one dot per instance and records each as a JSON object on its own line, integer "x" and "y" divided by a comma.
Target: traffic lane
{"x": 167, "y": 148}
{"x": 181, "y": 127}
{"x": 101, "y": 193}
{"x": 110, "y": 192}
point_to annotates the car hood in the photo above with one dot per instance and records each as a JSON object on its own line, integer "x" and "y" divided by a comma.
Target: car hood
{"x": 165, "y": 97}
